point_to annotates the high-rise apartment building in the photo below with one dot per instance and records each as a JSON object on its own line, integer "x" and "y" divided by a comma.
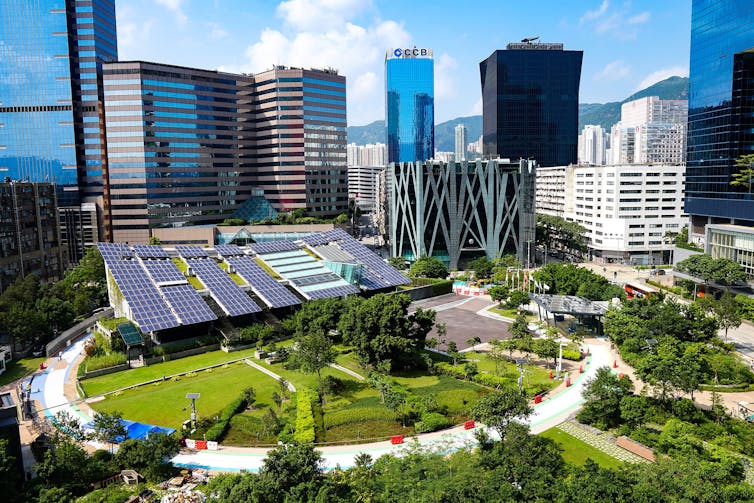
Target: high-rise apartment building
{"x": 299, "y": 123}
{"x": 460, "y": 142}
{"x": 592, "y": 145}
{"x": 29, "y": 232}
{"x": 530, "y": 99}
{"x": 371, "y": 154}
{"x": 721, "y": 114}
{"x": 410, "y": 104}
{"x": 51, "y": 127}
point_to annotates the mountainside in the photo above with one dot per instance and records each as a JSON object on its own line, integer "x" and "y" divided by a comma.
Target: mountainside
{"x": 603, "y": 114}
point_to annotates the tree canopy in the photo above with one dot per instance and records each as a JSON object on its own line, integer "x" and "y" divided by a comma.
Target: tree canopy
{"x": 721, "y": 270}
{"x": 558, "y": 233}
{"x": 428, "y": 267}
{"x": 569, "y": 279}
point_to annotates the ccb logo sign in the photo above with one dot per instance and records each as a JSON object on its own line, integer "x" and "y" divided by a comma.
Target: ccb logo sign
{"x": 412, "y": 53}
{"x": 397, "y": 53}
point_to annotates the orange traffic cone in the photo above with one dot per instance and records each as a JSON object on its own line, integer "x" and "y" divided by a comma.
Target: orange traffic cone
{"x": 615, "y": 364}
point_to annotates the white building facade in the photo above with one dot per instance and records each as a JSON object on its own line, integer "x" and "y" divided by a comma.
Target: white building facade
{"x": 625, "y": 209}
{"x": 460, "y": 142}
{"x": 371, "y": 154}
{"x": 363, "y": 186}
{"x": 593, "y": 145}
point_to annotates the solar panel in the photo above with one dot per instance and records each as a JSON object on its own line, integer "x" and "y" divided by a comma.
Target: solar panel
{"x": 275, "y": 246}
{"x": 270, "y": 291}
{"x": 187, "y": 304}
{"x": 130, "y": 334}
{"x": 191, "y": 251}
{"x": 229, "y": 250}
{"x": 338, "y": 291}
{"x": 163, "y": 271}
{"x": 228, "y": 295}
{"x": 316, "y": 239}
{"x": 149, "y": 251}
{"x": 318, "y": 278}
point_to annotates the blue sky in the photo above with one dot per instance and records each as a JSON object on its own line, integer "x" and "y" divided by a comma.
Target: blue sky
{"x": 627, "y": 45}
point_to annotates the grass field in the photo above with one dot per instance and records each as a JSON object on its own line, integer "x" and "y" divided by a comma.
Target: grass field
{"x": 98, "y": 385}
{"x": 533, "y": 375}
{"x": 19, "y": 368}
{"x": 163, "y": 403}
{"x": 577, "y": 452}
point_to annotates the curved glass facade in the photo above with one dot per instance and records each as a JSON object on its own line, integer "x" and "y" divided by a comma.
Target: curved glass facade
{"x": 721, "y": 109}
{"x": 530, "y": 99}
{"x": 410, "y": 107}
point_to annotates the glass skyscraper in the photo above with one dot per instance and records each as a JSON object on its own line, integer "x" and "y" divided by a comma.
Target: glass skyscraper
{"x": 50, "y": 92}
{"x": 530, "y": 102}
{"x": 410, "y": 104}
{"x": 721, "y": 112}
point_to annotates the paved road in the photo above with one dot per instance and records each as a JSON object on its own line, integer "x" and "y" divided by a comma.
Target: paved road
{"x": 459, "y": 315}
{"x": 49, "y": 389}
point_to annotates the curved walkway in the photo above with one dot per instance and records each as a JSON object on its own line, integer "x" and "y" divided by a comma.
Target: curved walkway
{"x": 51, "y": 389}
{"x": 270, "y": 373}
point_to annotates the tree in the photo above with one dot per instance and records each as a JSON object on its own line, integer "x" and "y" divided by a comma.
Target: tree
{"x": 314, "y": 353}
{"x": 546, "y": 348}
{"x": 108, "y": 427}
{"x": 150, "y": 456}
{"x": 726, "y": 310}
{"x": 10, "y": 481}
{"x": 602, "y": 398}
{"x": 482, "y": 267}
{"x": 516, "y": 299}
{"x": 397, "y": 262}
{"x": 154, "y": 240}
{"x": 498, "y": 409}
{"x": 556, "y": 232}
{"x": 320, "y": 316}
{"x": 292, "y": 472}
{"x": 745, "y": 175}
{"x": 498, "y": 292}
{"x": 453, "y": 351}
{"x": 473, "y": 341}
{"x": 722, "y": 270}
{"x": 428, "y": 267}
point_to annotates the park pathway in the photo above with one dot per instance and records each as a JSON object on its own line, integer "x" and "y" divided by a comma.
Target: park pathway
{"x": 270, "y": 373}
{"x": 350, "y": 372}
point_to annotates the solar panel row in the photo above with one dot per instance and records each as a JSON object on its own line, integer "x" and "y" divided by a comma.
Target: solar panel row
{"x": 163, "y": 271}
{"x": 150, "y": 251}
{"x": 191, "y": 251}
{"x": 276, "y": 246}
{"x": 270, "y": 291}
{"x": 338, "y": 291}
{"x": 188, "y": 304}
{"x": 229, "y": 250}
{"x": 318, "y": 278}
{"x": 229, "y": 296}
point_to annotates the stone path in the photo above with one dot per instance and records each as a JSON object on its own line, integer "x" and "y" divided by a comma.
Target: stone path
{"x": 350, "y": 372}
{"x": 602, "y": 442}
{"x": 270, "y": 373}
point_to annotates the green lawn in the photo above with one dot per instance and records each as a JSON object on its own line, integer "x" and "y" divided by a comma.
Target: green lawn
{"x": 98, "y": 385}
{"x": 533, "y": 375}
{"x": 163, "y": 403}
{"x": 577, "y": 452}
{"x": 19, "y": 368}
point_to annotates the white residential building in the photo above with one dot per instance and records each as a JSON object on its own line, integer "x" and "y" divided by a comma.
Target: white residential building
{"x": 592, "y": 145}
{"x": 371, "y": 154}
{"x": 460, "y": 142}
{"x": 625, "y": 209}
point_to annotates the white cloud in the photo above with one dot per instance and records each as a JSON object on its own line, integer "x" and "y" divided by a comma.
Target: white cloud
{"x": 662, "y": 74}
{"x": 133, "y": 31}
{"x": 319, "y": 15}
{"x": 176, "y": 6}
{"x": 639, "y": 18}
{"x": 615, "y": 70}
{"x": 357, "y": 51}
{"x": 594, "y": 14}
{"x": 217, "y": 32}
{"x": 445, "y": 68}
{"x": 478, "y": 107}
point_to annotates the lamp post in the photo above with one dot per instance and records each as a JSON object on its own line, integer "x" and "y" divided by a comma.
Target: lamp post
{"x": 559, "y": 367}
{"x": 193, "y": 397}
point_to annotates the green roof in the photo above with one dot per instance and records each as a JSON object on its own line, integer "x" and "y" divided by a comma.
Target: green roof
{"x": 130, "y": 334}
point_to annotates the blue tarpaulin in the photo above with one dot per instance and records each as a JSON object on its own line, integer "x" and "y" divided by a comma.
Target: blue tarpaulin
{"x": 136, "y": 430}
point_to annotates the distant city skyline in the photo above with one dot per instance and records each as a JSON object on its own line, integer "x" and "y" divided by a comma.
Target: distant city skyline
{"x": 627, "y": 45}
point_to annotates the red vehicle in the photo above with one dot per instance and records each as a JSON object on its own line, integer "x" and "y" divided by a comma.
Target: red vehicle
{"x": 636, "y": 290}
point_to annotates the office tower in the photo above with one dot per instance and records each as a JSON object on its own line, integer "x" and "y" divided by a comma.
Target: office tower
{"x": 50, "y": 93}
{"x": 530, "y": 99}
{"x": 721, "y": 118}
{"x": 29, "y": 232}
{"x": 178, "y": 150}
{"x": 299, "y": 122}
{"x": 410, "y": 104}
{"x": 592, "y": 145}
{"x": 435, "y": 209}
{"x": 460, "y": 142}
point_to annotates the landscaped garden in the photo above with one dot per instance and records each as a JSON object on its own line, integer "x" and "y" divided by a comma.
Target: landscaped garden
{"x": 401, "y": 388}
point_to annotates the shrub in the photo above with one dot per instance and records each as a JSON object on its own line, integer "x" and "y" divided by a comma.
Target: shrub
{"x": 357, "y": 415}
{"x": 258, "y": 332}
{"x": 104, "y": 361}
{"x": 570, "y": 354}
{"x": 304, "y": 416}
{"x": 431, "y": 421}
{"x": 218, "y": 430}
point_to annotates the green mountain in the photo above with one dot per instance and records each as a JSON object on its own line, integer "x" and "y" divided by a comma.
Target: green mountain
{"x": 603, "y": 114}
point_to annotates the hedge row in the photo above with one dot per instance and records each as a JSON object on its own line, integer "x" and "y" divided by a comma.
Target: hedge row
{"x": 104, "y": 361}
{"x": 304, "y": 433}
{"x": 357, "y": 415}
{"x": 217, "y": 431}
{"x": 570, "y": 354}
{"x": 431, "y": 421}
{"x": 489, "y": 380}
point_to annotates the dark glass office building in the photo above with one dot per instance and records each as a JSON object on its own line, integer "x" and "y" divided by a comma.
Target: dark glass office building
{"x": 530, "y": 102}
{"x": 721, "y": 112}
{"x": 51, "y": 95}
{"x": 410, "y": 104}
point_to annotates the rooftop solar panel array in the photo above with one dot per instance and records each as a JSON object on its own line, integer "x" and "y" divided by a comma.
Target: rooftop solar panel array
{"x": 317, "y": 278}
{"x": 191, "y": 251}
{"x": 229, "y": 250}
{"x": 338, "y": 291}
{"x": 150, "y": 251}
{"x": 316, "y": 239}
{"x": 275, "y": 246}
{"x": 187, "y": 304}
{"x": 228, "y": 295}
{"x": 270, "y": 291}
{"x": 163, "y": 271}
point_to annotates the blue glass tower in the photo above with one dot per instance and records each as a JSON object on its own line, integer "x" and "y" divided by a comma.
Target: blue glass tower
{"x": 530, "y": 103}
{"x": 50, "y": 93}
{"x": 410, "y": 104}
{"x": 721, "y": 112}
